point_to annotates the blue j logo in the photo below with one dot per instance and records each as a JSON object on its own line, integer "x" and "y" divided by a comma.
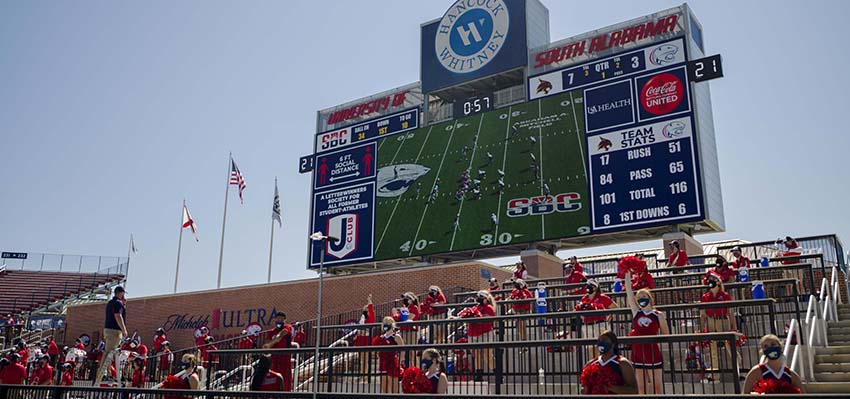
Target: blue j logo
{"x": 470, "y": 34}
{"x": 345, "y": 228}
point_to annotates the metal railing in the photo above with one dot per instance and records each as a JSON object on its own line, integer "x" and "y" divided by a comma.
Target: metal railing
{"x": 42, "y": 262}
{"x": 521, "y": 368}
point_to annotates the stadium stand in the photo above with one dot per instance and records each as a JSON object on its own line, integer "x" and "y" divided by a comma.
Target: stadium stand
{"x": 25, "y": 291}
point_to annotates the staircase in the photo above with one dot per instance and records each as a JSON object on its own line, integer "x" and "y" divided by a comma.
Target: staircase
{"x": 832, "y": 364}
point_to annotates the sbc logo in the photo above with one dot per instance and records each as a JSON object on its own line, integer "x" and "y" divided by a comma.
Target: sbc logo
{"x": 545, "y": 204}
{"x": 334, "y": 139}
{"x": 345, "y": 227}
{"x": 470, "y": 34}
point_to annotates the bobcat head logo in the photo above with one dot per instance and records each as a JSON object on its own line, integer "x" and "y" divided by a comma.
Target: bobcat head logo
{"x": 544, "y": 86}
{"x": 604, "y": 144}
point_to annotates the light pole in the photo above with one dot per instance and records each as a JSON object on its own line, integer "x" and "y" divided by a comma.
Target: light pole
{"x": 319, "y": 237}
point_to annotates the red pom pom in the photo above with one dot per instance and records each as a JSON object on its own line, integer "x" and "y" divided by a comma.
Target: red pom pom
{"x": 597, "y": 378}
{"x": 631, "y": 264}
{"x": 773, "y": 386}
{"x": 409, "y": 379}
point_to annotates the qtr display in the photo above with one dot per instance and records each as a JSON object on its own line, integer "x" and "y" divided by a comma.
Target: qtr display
{"x": 604, "y": 146}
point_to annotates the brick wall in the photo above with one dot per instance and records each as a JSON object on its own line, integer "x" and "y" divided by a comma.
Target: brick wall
{"x": 228, "y": 311}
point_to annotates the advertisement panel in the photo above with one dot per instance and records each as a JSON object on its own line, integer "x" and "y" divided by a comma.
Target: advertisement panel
{"x": 472, "y": 40}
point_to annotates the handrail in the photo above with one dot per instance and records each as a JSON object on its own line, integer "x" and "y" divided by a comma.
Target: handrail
{"x": 792, "y": 329}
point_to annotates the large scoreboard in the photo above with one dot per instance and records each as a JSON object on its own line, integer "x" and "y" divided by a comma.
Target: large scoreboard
{"x": 612, "y": 137}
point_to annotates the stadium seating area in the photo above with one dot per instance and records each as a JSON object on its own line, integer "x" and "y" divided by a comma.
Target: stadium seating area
{"x": 23, "y": 290}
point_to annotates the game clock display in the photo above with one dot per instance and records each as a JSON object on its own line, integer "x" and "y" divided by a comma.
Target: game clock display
{"x": 473, "y": 105}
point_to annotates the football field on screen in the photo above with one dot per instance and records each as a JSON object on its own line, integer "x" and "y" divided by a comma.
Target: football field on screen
{"x": 428, "y": 205}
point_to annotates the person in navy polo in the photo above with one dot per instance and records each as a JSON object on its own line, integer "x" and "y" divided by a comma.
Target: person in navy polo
{"x": 114, "y": 329}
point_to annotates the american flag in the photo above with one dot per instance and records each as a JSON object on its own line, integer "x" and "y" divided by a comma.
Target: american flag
{"x": 236, "y": 178}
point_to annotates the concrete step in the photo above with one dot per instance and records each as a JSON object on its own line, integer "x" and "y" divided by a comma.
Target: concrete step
{"x": 842, "y": 323}
{"x": 837, "y": 330}
{"x": 838, "y": 343}
{"x": 832, "y": 377}
{"x": 832, "y": 358}
{"x": 844, "y": 306}
{"x": 832, "y": 368}
{"x": 833, "y": 350}
{"x": 827, "y": 387}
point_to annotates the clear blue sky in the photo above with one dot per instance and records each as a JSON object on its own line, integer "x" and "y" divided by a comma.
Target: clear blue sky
{"x": 113, "y": 112}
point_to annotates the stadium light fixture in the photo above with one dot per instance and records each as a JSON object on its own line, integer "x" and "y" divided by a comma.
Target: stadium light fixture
{"x": 319, "y": 237}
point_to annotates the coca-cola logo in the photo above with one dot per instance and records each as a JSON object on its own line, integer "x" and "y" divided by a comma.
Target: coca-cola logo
{"x": 662, "y": 94}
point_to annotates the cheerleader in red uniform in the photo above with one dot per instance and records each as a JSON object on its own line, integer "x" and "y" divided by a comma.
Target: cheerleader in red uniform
{"x": 521, "y": 292}
{"x": 264, "y": 379}
{"x": 362, "y": 338}
{"x": 185, "y": 379}
{"x": 646, "y": 357}
{"x": 435, "y": 297}
{"x": 483, "y": 359}
{"x": 772, "y": 376}
{"x": 410, "y": 311}
{"x": 521, "y": 272}
{"x": 428, "y": 379}
{"x": 138, "y": 373}
{"x": 609, "y": 373}
{"x": 388, "y": 366}
{"x": 573, "y": 274}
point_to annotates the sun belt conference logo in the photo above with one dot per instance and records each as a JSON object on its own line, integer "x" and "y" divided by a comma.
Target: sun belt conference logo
{"x": 662, "y": 94}
{"x": 470, "y": 34}
{"x": 663, "y": 54}
{"x": 345, "y": 228}
{"x": 394, "y": 180}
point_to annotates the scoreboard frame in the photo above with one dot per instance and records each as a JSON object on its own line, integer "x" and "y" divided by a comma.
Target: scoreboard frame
{"x": 705, "y": 216}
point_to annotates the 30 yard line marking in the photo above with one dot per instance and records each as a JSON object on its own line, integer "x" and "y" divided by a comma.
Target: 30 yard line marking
{"x": 540, "y": 167}
{"x": 471, "y": 158}
{"x": 390, "y": 220}
{"x": 439, "y": 168}
{"x": 504, "y": 163}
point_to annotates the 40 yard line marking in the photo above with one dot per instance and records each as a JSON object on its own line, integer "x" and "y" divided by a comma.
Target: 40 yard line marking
{"x": 504, "y": 163}
{"x": 439, "y": 168}
{"x": 471, "y": 158}
{"x": 389, "y": 222}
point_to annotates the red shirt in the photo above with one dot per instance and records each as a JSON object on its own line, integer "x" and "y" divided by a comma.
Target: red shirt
{"x": 721, "y": 296}
{"x": 521, "y": 274}
{"x": 413, "y": 315}
{"x": 574, "y": 278}
{"x": 273, "y": 382}
{"x": 52, "y": 348}
{"x": 80, "y": 346}
{"x": 596, "y": 302}
{"x": 433, "y": 300}
{"x": 476, "y": 329}
{"x": 246, "y": 343}
{"x": 521, "y": 294}
{"x": 138, "y": 378}
{"x": 643, "y": 280}
{"x": 67, "y": 379}
{"x": 300, "y": 337}
{"x": 14, "y": 374}
{"x": 165, "y": 359}
{"x": 42, "y": 376}
{"x": 727, "y": 274}
{"x": 286, "y": 341}
{"x": 388, "y": 360}
{"x": 25, "y": 355}
{"x": 679, "y": 258}
{"x": 157, "y": 343}
{"x": 201, "y": 340}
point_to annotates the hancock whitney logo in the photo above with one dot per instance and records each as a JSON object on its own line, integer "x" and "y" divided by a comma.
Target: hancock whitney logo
{"x": 470, "y": 34}
{"x": 345, "y": 227}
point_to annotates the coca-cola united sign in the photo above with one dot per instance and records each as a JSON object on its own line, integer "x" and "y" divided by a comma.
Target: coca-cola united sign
{"x": 662, "y": 94}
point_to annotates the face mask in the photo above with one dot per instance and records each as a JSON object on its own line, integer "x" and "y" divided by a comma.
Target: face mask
{"x": 643, "y": 302}
{"x": 433, "y": 293}
{"x": 184, "y": 366}
{"x": 712, "y": 284}
{"x": 604, "y": 347}
{"x": 591, "y": 289}
{"x": 133, "y": 345}
{"x": 365, "y": 314}
{"x": 518, "y": 287}
{"x": 405, "y": 302}
{"x": 481, "y": 300}
{"x": 278, "y": 325}
{"x": 426, "y": 364}
{"x": 773, "y": 352}
{"x": 387, "y": 327}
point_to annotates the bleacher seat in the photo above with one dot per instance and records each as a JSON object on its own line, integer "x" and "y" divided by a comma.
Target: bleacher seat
{"x": 24, "y": 290}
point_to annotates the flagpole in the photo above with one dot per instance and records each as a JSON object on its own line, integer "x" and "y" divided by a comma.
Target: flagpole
{"x": 271, "y": 236}
{"x": 179, "y": 245}
{"x": 224, "y": 218}
{"x": 129, "y": 248}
